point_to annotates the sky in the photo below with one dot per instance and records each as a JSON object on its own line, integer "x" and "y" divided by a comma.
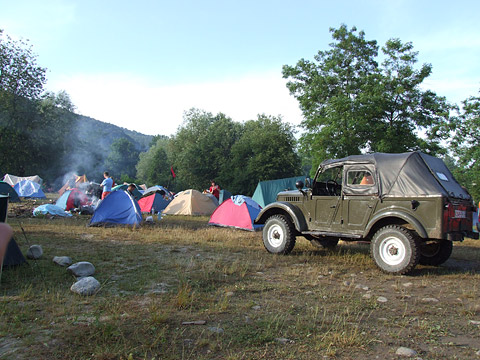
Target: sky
{"x": 140, "y": 65}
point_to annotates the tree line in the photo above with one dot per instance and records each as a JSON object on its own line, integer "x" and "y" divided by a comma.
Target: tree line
{"x": 355, "y": 97}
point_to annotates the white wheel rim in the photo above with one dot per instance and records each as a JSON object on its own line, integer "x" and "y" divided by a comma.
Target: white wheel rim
{"x": 392, "y": 251}
{"x": 275, "y": 235}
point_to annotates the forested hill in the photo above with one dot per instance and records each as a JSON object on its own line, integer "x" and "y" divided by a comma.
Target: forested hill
{"x": 95, "y": 132}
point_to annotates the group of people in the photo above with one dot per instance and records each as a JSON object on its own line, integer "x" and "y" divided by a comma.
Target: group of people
{"x": 107, "y": 185}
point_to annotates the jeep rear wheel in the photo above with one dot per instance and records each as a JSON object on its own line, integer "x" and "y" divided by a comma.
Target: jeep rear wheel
{"x": 278, "y": 235}
{"x": 395, "y": 250}
{"x": 435, "y": 252}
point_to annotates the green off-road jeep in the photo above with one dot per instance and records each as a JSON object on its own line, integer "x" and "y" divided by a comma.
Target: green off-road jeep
{"x": 409, "y": 206}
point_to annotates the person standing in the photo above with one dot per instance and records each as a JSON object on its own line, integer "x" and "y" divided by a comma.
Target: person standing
{"x": 106, "y": 185}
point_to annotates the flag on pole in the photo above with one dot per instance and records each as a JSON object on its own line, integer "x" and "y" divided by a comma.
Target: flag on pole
{"x": 173, "y": 172}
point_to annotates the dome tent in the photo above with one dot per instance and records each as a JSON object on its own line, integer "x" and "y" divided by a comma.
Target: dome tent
{"x": 30, "y": 189}
{"x": 153, "y": 202}
{"x": 239, "y": 212}
{"x": 118, "y": 208}
{"x": 8, "y": 190}
{"x": 72, "y": 199}
{"x": 190, "y": 202}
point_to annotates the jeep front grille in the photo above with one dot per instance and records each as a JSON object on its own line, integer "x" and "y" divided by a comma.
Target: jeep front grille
{"x": 292, "y": 198}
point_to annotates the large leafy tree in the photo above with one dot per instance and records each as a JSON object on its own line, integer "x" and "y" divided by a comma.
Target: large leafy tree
{"x": 351, "y": 104}
{"x": 153, "y": 168}
{"x": 465, "y": 140}
{"x": 201, "y": 148}
{"x": 265, "y": 151}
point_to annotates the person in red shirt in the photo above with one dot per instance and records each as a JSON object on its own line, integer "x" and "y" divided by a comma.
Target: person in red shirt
{"x": 214, "y": 190}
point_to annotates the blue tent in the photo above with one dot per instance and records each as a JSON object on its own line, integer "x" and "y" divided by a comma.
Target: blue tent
{"x": 266, "y": 191}
{"x": 30, "y": 189}
{"x": 118, "y": 208}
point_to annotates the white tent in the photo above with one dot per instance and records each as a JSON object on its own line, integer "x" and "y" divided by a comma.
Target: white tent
{"x": 12, "y": 179}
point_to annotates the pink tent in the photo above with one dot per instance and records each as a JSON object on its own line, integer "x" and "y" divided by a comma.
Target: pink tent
{"x": 238, "y": 212}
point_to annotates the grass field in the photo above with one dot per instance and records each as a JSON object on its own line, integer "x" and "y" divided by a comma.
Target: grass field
{"x": 179, "y": 289}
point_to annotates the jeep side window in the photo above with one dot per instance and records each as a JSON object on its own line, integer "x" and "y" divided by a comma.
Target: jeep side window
{"x": 328, "y": 182}
{"x": 360, "y": 178}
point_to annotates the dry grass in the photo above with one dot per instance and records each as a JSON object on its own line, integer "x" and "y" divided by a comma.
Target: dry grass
{"x": 311, "y": 304}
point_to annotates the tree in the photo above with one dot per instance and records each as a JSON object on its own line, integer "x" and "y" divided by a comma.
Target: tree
{"x": 265, "y": 151}
{"x": 465, "y": 140}
{"x": 201, "y": 148}
{"x": 351, "y": 104}
{"x": 154, "y": 166}
{"x": 20, "y": 77}
{"x": 122, "y": 158}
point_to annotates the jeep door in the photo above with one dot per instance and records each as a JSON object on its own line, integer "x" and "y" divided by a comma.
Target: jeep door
{"x": 360, "y": 196}
{"x": 325, "y": 203}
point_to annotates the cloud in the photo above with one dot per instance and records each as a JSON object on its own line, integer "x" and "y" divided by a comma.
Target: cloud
{"x": 137, "y": 104}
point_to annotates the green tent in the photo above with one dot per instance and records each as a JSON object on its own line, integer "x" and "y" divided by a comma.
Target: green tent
{"x": 266, "y": 191}
{"x": 136, "y": 194}
{"x": 8, "y": 190}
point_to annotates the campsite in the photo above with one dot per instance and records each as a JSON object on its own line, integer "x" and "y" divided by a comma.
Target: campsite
{"x": 180, "y": 288}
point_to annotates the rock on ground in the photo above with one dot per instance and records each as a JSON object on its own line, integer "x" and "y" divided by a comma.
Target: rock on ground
{"x": 86, "y": 286}
{"x": 62, "y": 260}
{"x": 404, "y": 351}
{"x": 82, "y": 269}
{"x": 35, "y": 252}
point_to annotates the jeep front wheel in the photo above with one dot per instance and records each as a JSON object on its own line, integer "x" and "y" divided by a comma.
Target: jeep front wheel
{"x": 395, "y": 249}
{"x": 436, "y": 252}
{"x": 278, "y": 235}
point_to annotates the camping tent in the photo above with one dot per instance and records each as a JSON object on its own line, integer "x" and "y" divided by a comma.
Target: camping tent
{"x": 190, "y": 202}
{"x": 12, "y": 179}
{"x": 154, "y": 202}
{"x": 73, "y": 181}
{"x": 224, "y": 195}
{"x": 266, "y": 191}
{"x": 136, "y": 194}
{"x": 118, "y": 208}
{"x": 13, "y": 255}
{"x": 7, "y": 189}
{"x": 72, "y": 199}
{"x": 30, "y": 189}
{"x": 238, "y": 212}
{"x": 157, "y": 188}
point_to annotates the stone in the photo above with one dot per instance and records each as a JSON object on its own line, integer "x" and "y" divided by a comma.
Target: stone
{"x": 282, "y": 340}
{"x": 404, "y": 351}
{"x": 196, "y": 322}
{"x": 430, "y": 300}
{"x": 62, "y": 260}
{"x": 86, "y": 286}
{"x": 216, "y": 329}
{"x": 367, "y": 296}
{"x": 407, "y": 284}
{"x": 229, "y": 293}
{"x": 82, "y": 269}
{"x": 35, "y": 252}
{"x": 256, "y": 307}
{"x": 474, "y": 322}
{"x": 382, "y": 299}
